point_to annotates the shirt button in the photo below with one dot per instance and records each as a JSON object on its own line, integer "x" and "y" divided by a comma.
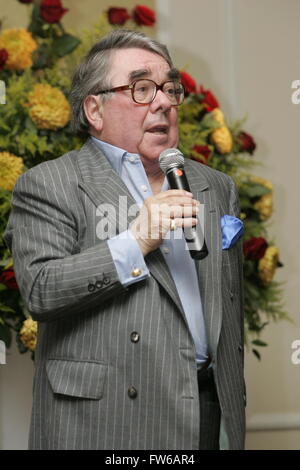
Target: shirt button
{"x": 132, "y": 392}
{"x": 136, "y": 272}
{"x": 166, "y": 250}
{"x": 135, "y": 337}
{"x": 144, "y": 188}
{"x": 131, "y": 158}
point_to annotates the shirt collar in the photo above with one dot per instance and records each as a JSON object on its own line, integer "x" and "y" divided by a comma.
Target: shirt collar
{"x": 115, "y": 155}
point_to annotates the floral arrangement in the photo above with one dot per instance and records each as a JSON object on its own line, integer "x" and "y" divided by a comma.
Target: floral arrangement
{"x": 36, "y": 65}
{"x": 206, "y": 137}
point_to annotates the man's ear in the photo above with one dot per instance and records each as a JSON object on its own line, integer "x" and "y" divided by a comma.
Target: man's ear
{"x": 94, "y": 112}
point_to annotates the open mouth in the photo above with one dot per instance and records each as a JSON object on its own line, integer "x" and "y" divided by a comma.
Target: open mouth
{"x": 158, "y": 130}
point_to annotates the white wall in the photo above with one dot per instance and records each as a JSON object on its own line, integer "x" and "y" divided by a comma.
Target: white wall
{"x": 247, "y": 52}
{"x": 15, "y": 400}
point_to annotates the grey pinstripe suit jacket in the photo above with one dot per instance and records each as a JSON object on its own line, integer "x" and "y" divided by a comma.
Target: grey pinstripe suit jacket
{"x": 86, "y": 360}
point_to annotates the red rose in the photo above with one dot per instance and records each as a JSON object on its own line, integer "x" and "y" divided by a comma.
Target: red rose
{"x": 209, "y": 100}
{"x": 118, "y": 15}
{"x": 246, "y": 142}
{"x": 188, "y": 82}
{"x": 255, "y": 248}
{"x": 144, "y": 16}
{"x": 8, "y": 278}
{"x": 204, "y": 153}
{"x": 52, "y": 10}
{"x": 3, "y": 58}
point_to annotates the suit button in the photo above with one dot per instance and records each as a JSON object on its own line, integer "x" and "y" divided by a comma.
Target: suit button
{"x": 135, "y": 337}
{"x": 106, "y": 280}
{"x": 91, "y": 287}
{"x": 99, "y": 284}
{"x": 240, "y": 348}
{"x": 132, "y": 392}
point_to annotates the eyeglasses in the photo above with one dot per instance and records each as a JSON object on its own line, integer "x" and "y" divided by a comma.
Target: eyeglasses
{"x": 144, "y": 91}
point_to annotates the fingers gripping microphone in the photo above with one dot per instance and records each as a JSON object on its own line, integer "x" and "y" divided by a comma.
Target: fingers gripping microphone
{"x": 171, "y": 161}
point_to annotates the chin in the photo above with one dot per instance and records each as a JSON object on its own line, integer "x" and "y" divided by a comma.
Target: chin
{"x": 154, "y": 155}
{"x": 153, "y": 151}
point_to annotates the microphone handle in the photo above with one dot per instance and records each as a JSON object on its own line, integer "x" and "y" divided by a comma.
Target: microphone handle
{"x": 193, "y": 235}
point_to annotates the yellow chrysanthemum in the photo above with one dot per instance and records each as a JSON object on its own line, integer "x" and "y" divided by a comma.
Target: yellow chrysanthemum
{"x": 262, "y": 181}
{"x": 48, "y": 107}
{"x": 20, "y": 45}
{"x": 264, "y": 205}
{"x": 218, "y": 116}
{"x": 11, "y": 167}
{"x": 222, "y": 139}
{"x": 267, "y": 264}
{"x": 28, "y": 333}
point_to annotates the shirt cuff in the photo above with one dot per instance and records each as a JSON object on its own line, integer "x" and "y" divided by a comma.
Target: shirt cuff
{"x": 128, "y": 258}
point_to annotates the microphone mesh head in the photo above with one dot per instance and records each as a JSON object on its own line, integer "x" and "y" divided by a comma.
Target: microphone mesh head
{"x": 170, "y": 158}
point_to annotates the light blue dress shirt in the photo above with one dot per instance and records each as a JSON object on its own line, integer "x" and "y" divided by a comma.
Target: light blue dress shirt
{"x": 127, "y": 255}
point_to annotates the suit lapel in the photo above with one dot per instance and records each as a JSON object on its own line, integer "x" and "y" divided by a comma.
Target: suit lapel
{"x": 106, "y": 190}
{"x": 103, "y": 186}
{"x": 209, "y": 269}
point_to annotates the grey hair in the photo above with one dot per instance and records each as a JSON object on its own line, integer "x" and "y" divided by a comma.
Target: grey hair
{"x": 92, "y": 74}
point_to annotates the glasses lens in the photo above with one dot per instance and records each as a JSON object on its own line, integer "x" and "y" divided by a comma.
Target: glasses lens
{"x": 174, "y": 91}
{"x": 144, "y": 91}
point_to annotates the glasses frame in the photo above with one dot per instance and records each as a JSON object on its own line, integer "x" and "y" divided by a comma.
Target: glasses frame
{"x": 131, "y": 87}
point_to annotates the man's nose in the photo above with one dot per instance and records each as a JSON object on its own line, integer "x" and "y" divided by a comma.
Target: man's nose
{"x": 161, "y": 101}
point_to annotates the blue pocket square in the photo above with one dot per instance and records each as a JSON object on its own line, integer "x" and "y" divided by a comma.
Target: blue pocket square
{"x": 232, "y": 230}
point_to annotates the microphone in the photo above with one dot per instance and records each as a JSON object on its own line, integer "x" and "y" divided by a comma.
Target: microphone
{"x": 171, "y": 161}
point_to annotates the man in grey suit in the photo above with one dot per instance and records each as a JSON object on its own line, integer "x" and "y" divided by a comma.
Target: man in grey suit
{"x": 140, "y": 346}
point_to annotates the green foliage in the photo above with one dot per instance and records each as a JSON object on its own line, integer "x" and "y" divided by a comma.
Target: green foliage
{"x": 5, "y": 198}
{"x": 19, "y": 135}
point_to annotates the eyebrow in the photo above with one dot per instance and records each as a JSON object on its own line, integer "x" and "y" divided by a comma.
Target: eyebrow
{"x": 172, "y": 74}
{"x": 136, "y": 74}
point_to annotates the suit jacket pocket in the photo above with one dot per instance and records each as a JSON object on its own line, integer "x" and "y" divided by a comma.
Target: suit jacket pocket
{"x": 81, "y": 379}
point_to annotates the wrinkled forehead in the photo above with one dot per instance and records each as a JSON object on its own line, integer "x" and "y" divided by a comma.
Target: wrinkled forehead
{"x": 127, "y": 65}
{"x": 171, "y": 74}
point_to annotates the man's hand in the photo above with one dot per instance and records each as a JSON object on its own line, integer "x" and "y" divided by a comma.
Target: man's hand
{"x": 156, "y": 214}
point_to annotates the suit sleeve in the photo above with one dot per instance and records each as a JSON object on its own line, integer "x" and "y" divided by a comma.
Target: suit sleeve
{"x": 55, "y": 277}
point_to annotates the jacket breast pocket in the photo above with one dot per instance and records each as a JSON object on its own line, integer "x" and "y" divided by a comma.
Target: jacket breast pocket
{"x": 81, "y": 379}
